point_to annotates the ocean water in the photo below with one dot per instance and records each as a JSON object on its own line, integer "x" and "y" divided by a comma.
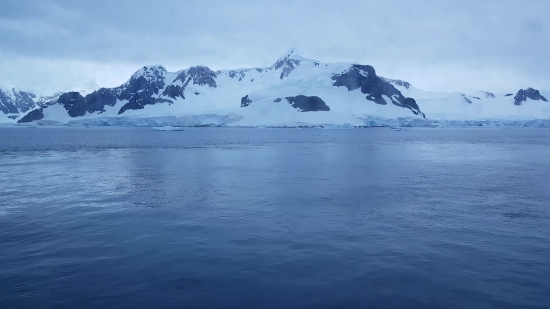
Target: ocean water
{"x": 274, "y": 218}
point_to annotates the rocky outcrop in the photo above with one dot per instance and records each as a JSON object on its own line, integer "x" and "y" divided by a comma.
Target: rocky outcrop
{"x": 529, "y": 93}
{"x": 198, "y": 75}
{"x": 466, "y": 99}
{"x": 286, "y": 64}
{"x": 74, "y": 103}
{"x": 379, "y": 91}
{"x": 174, "y": 92}
{"x": 300, "y": 102}
{"x": 33, "y": 115}
{"x": 308, "y": 103}
{"x": 14, "y": 101}
{"x": 245, "y": 101}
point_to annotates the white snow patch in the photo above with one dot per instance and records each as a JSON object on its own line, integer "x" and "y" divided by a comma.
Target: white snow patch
{"x": 167, "y": 128}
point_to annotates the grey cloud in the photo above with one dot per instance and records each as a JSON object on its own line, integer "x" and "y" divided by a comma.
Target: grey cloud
{"x": 401, "y": 39}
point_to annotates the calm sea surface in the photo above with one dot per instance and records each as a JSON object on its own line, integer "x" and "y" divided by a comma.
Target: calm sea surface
{"x": 274, "y": 218}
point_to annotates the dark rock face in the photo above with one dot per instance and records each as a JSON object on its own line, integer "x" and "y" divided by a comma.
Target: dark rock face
{"x": 97, "y": 100}
{"x": 34, "y": 115}
{"x": 287, "y": 65}
{"x": 16, "y": 101}
{"x": 74, "y": 103}
{"x": 489, "y": 95}
{"x": 411, "y": 104}
{"x": 24, "y": 100}
{"x": 529, "y": 93}
{"x": 300, "y": 102}
{"x": 141, "y": 87}
{"x": 174, "y": 91}
{"x": 364, "y": 77}
{"x": 509, "y": 95}
{"x": 7, "y": 106}
{"x": 466, "y": 99}
{"x": 240, "y": 74}
{"x": 245, "y": 101}
{"x": 140, "y": 102}
{"x": 308, "y": 104}
{"x": 201, "y": 75}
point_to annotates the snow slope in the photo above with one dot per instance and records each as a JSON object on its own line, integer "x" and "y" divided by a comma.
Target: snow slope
{"x": 479, "y": 105}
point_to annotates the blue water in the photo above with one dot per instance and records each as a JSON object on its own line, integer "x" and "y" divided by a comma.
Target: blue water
{"x": 283, "y": 218}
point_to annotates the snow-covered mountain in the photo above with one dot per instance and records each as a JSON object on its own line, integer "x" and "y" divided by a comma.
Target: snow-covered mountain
{"x": 293, "y": 91}
{"x": 523, "y": 104}
{"x": 16, "y": 102}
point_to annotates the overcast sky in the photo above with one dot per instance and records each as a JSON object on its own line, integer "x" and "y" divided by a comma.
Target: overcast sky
{"x": 494, "y": 45}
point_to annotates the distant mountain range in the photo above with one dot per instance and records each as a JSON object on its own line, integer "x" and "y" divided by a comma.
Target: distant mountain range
{"x": 293, "y": 91}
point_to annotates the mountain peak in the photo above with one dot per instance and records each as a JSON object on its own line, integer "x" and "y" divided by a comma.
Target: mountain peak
{"x": 291, "y": 53}
{"x": 149, "y": 71}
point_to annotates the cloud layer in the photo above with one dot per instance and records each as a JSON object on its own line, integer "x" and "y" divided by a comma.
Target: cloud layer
{"x": 495, "y": 45}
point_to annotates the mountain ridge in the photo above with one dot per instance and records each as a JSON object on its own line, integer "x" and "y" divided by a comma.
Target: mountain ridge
{"x": 292, "y": 83}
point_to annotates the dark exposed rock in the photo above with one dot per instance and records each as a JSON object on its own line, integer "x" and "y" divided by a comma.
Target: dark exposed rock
{"x": 308, "y": 104}
{"x": 33, "y": 115}
{"x": 77, "y": 105}
{"x": 239, "y": 74}
{"x": 509, "y": 95}
{"x": 24, "y": 100}
{"x": 174, "y": 92}
{"x": 489, "y": 95}
{"x": 364, "y": 77}
{"x": 245, "y": 101}
{"x": 466, "y": 99}
{"x": 277, "y": 100}
{"x": 477, "y": 98}
{"x": 139, "y": 90}
{"x": 411, "y": 104}
{"x": 196, "y": 93}
{"x": 201, "y": 75}
{"x": 16, "y": 101}
{"x": 529, "y": 93}
{"x": 139, "y": 103}
{"x": 74, "y": 103}
{"x": 7, "y": 105}
{"x": 286, "y": 64}
{"x": 97, "y": 100}
{"x": 288, "y": 67}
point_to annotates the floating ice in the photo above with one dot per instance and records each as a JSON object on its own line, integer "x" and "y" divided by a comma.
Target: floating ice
{"x": 167, "y": 128}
